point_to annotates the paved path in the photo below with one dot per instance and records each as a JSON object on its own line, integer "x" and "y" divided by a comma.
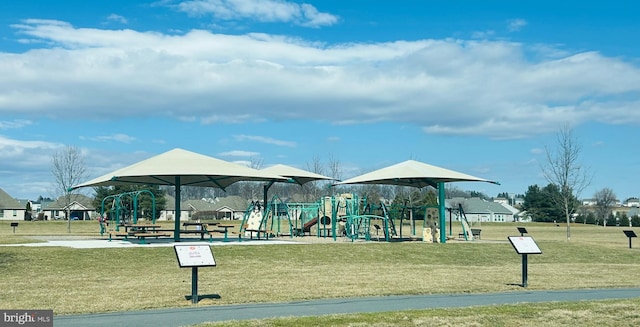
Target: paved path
{"x": 196, "y": 314}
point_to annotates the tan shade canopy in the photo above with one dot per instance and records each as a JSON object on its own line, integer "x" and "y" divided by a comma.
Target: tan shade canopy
{"x": 192, "y": 168}
{"x": 300, "y": 176}
{"x": 180, "y": 167}
{"x": 413, "y": 173}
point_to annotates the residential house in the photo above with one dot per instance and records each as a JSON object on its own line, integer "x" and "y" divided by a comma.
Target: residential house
{"x": 632, "y": 202}
{"x": 169, "y": 212}
{"x": 479, "y": 210}
{"x": 231, "y": 208}
{"x": 226, "y": 208}
{"x": 10, "y": 208}
{"x": 501, "y": 200}
{"x": 79, "y": 206}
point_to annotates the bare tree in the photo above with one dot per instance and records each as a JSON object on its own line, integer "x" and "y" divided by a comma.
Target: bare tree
{"x": 605, "y": 200}
{"x": 335, "y": 169}
{"x": 563, "y": 169}
{"x": 68, "y": 168}
{"x": 313, "y": 190}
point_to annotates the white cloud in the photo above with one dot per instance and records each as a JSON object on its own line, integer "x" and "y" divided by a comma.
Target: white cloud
{"x": 117, "y": 18}
{"x": 450, "y": 86}
{"x": 482, "y": 34}
{"x": 123, "y": 138}
{"x": 260, "y": 10}
{"x": 514, "y": 25}
{"x": 264, "y": 139}
{"x": 18, "y": 123}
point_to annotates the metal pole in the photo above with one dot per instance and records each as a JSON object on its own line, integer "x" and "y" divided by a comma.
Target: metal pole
{"x": 441, "y": 213}
{"x": 194, "y": 284}
{"x": 524, "y": 270}
{"x": 176, "y": 229}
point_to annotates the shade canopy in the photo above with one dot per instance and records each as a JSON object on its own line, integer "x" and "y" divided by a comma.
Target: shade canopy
{"x": 179, "y": 167}
{"x": 417, "y": 174}
{"x": 300, "y": 176}
{"x": 413, "y": 173}
{"x": 192, "y": 168}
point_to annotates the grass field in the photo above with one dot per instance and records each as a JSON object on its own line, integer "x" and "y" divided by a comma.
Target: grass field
{"x": 103, "y": 280}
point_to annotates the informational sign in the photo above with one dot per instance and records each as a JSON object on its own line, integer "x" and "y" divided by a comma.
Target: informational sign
{"x": 524, "y": 245}
{"x": 194, "y": 255}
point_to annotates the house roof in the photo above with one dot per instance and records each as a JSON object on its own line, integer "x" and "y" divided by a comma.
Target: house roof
{"x": 7, "y": 202}
{"x": 233, "y": 202}
{"x": 199, "y": 205}
{"x": 61, "y": 202}
{"x": 480, "y": 206}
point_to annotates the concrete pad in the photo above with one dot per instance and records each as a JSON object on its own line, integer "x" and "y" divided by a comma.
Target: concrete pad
{"x": 135, "y": 243}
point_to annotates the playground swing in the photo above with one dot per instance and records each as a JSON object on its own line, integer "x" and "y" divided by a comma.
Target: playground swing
{"x": 118, "y": 208}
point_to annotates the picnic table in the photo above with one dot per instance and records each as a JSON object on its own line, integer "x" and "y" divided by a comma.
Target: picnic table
{"x": 141, "y": 231}
{"x": 225, "y": 230}
{"x": 195, "y": 227}
{"x": 140, "y": 228}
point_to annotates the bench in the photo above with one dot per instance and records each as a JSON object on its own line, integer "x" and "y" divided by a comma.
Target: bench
{"x": 221, "y": 231}
{"x": 118, "y": 234}
{"x": 143, "y": 236}
{"x": 474, "y": 231}
{"x": 266, "y": 233}
{"x": 202, "y": 232}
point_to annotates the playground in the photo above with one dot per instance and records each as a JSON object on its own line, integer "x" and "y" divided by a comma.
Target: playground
{"x": 346, "y": 216}
{"x": 339, "y": 217}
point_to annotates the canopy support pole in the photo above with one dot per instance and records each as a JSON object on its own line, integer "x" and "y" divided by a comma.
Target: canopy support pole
{"x": 441, "y": 213}
{"x": 176, "y": 230}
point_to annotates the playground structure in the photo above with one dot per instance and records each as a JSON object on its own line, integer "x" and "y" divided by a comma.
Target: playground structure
{"x": 119, "y": 209}
{"x": 343, "y": 215}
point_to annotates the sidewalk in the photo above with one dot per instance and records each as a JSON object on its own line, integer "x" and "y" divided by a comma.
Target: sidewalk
{"x": 195, "y": 315}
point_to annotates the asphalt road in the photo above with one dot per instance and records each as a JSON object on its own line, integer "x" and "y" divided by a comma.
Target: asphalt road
{"x": 199, "y": 314}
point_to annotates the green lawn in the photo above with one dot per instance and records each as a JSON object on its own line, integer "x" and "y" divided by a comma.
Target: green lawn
{"x": 102, "y": 280}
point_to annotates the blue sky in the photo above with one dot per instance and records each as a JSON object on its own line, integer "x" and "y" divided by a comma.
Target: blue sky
{"x": 480, "y": 87}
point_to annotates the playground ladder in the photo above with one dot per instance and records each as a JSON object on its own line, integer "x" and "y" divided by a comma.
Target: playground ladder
{"x": 386, "y": 214}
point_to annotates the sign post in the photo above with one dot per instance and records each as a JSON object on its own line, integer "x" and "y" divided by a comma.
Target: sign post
{"x": 524, "y": 245}
{"x": 630, "y": 234}
{"x": 522, "y": 231}
{"x": 194, "y": 256}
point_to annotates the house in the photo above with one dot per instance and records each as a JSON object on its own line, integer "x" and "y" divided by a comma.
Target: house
{"x": 10, "y": 208}
{"x": 227, "y": 208}
{"x": 230, "y": 208}
{"x": 79, "y": 206}
{"x": 632, "y": 202}
{"x": 501, "y": 200}
{"x": 479, "y": 210}
{"x": 169, "y": 212}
